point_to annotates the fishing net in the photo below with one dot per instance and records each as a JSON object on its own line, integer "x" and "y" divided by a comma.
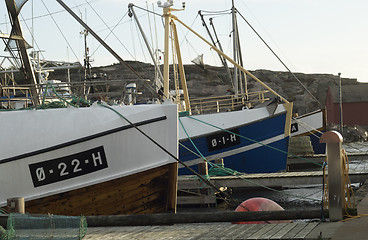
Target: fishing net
{"x": 220, "y": 170}
{"x": 41, "y": 227}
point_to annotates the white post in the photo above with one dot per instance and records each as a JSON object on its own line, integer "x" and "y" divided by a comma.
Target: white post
{"x": 16, "y": 205}
{"x": 336, "y": 192}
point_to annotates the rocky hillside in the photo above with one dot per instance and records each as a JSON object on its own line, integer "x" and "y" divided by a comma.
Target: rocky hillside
{"x": 212, "y": 81}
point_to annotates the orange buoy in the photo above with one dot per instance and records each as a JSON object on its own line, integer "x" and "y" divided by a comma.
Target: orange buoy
{"x": 258, "y": 204}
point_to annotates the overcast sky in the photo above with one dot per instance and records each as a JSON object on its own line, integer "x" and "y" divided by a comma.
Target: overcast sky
{"x": 310, "y": 36}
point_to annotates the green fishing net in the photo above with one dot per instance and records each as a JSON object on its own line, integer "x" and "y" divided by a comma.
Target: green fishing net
{"x": 42, "y": 227}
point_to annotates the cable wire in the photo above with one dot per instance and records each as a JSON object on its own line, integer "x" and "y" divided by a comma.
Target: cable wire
{"x": 280, "y": 60}
{"x": 53, "y": 19}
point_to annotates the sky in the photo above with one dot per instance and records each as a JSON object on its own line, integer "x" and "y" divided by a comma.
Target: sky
{"x": 309, "y": 36}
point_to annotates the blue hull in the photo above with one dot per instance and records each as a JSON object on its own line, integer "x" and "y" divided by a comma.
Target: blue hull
{"x": 318, "y": 148}
{"x": 245, "y": 155}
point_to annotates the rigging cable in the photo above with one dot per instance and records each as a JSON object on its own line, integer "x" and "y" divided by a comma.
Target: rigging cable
{"x": 53, "y": 19}
{"x": 280, "y": 60}
{"x": 33, "y": 38}
{"x": 166, "y": 151}
{"x": 46, "y": 15}
{"x": 254, "y": 141}
{"x": 149, "y": 11}
{"x": 111, "y": 31}
{"x": 135, "y": 72}
{"x": 185, "y": 36}
{"x": 237, "y": 174}
{"x": 140, "y": 41}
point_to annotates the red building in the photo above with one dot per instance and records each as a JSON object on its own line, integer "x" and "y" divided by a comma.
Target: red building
{"x": 354, "y": 105}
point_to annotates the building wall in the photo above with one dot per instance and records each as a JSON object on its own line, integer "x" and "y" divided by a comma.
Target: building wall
{"x": 352, "y": 113}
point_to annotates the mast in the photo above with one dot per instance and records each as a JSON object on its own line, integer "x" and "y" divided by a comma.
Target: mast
{"x": 238, "y": 78}
{"x": 14, "y": 8}
{"x": 167, "y": 17}
{"x": 223, "y": 61}
{"x": 220, "y": 47}
{"x": 102, "y": 42}
{"x": 169, "y": 22}
{"x": 231, "y": 60}
{"x": 235, "y": 55}
{"x": 157, "y": 68}
{"x": 242, "y": 76}
{"x": 86, "y": 64}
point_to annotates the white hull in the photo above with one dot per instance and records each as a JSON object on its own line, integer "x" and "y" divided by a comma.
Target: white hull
{"x": 45, "y": 152}
{"x": 308, "y": 123}
{"x": 223, "y": 120}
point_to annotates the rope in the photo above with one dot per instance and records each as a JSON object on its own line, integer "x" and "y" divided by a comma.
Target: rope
{"x": 46, "y": 15}
{"x": 312, "y": 129}
{"x": 220, "y": 167}
{"x": 349, "y": 197}
{"x": 117, "y": 24}
{"x": 190, "y": 139}
{"x": 280, "y": 60}
{"x": 239, "y": 175}
{"x": 220, "y": 170}
{"x": 111, "y": 30}
{"x": 349, "y": 192}
{"x": 140, "y": 41}
{"x": 166, "y": 151}
{"x": 53, "y": 19}
{"x": 61, "y": 98}
{"x": 3, "y": 211}
{"x": 33, "y": 38}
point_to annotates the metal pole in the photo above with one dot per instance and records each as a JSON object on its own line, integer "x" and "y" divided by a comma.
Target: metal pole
{"x": 223, "y": 60}
{"x": 230, "y": 60}
{"x": 167, "y": 15}
{"x": 181, "y": 68}
{"x": 28, "y": 70}
{"x": 235, "y": 38}
{"x": 81, "y": 22}
{"x": 131, "y": 5}
{"x": 340, "y": 102}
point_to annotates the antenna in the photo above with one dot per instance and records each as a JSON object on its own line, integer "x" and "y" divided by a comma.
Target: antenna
{"x": 166, "y": 4}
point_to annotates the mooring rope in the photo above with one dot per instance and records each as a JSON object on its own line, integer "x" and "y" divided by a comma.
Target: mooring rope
{"x": 237, "y": 174}
{"x": 227, "y": 196}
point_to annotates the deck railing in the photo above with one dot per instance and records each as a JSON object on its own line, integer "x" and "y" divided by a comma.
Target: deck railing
{"x": 226, "y": 102}
{"x": 12, "y": 94}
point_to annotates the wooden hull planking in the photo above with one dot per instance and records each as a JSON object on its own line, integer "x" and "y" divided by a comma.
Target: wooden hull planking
{"x": 150, "y": 191}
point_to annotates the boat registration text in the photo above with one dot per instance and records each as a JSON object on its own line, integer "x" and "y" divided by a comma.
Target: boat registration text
{"x": 67, "y": 167}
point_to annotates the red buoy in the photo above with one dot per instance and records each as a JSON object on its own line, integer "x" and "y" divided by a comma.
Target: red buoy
{"x": 258, "y": 204}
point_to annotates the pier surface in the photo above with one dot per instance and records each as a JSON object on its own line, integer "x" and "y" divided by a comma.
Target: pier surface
{"x": 218, "y": 231}
{"x": 355, "y": 228}
{"x": 351, "y": 229}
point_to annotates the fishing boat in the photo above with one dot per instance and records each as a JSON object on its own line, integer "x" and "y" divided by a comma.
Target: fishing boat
{"x": 249, "y": 140}
{"x": 89, "y": 160}
{"x": 97, "y": 160}
{"x": 313, "y": 125}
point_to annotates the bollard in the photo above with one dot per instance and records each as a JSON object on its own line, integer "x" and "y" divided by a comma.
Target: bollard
{"x": 336, "y": 192}
{"x": 16, "y": 205}
{"x": 203, "y": 168}
{"x": 219, "y": 161}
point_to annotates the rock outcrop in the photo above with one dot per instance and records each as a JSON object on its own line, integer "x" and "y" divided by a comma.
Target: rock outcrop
{"x": 212, "y": 81}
